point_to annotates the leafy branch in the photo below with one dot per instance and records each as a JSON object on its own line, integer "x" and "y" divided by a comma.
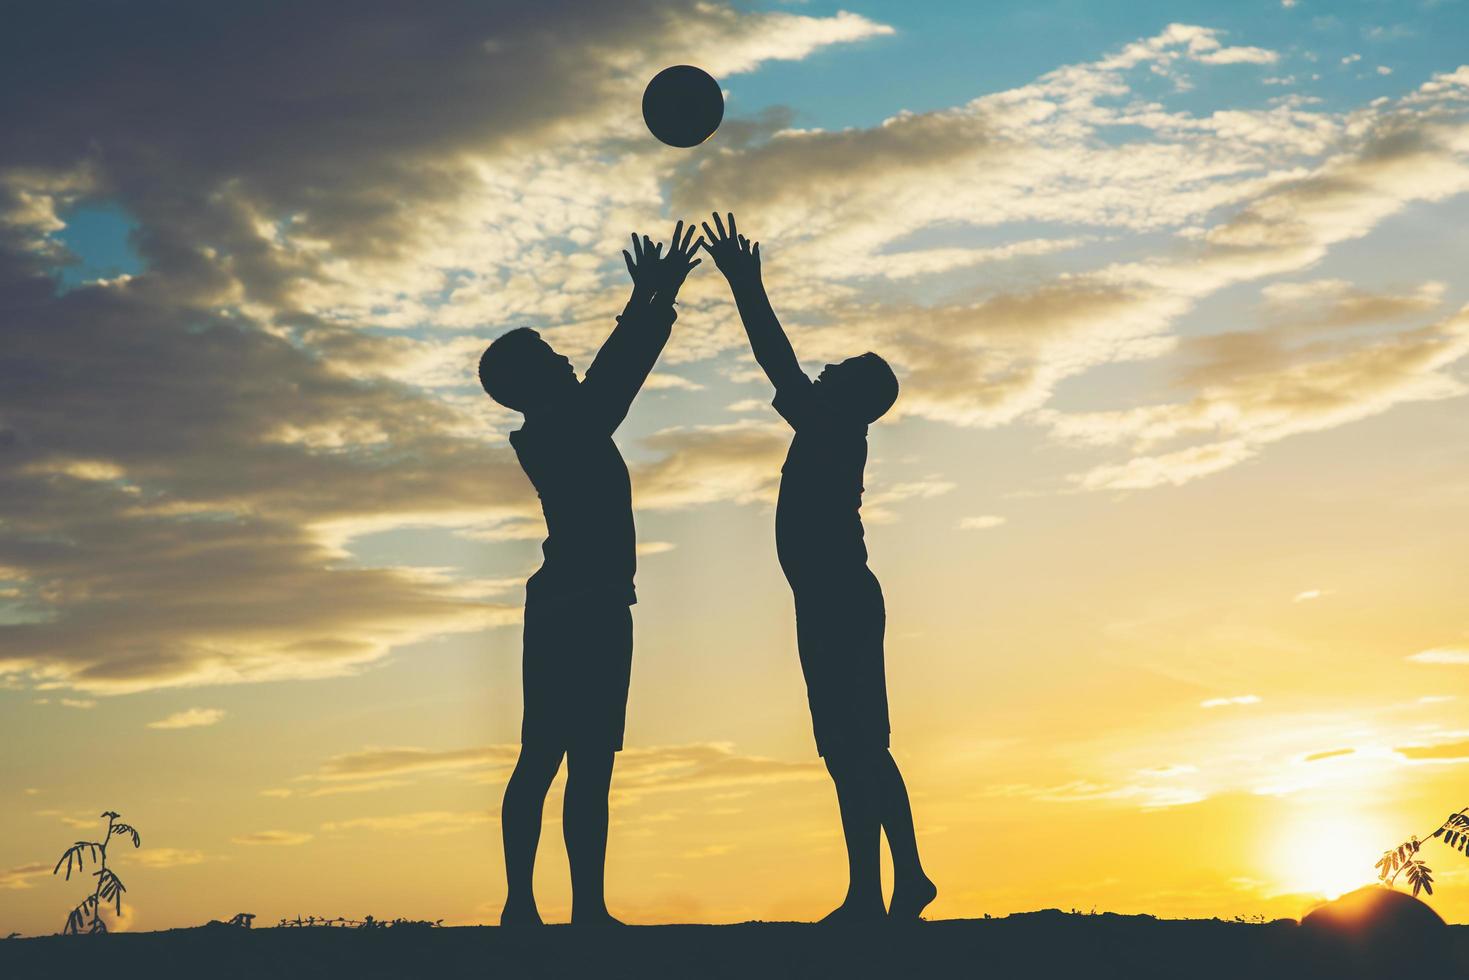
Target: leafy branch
{"x": 1403, "y": 859}
{"x": 87, "y": 916}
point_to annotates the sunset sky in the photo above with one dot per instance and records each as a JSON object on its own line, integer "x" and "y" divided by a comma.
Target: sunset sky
{"x": 1172, "y": 515}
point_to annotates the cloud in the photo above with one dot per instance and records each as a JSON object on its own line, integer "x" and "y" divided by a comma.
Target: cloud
{"x": 377, "y": 762}
{"x": 370, "y": 786}
{"x": 877, "y": 504}
{"x": 663, "y": 381}
{"x": 166, "y": 857}
{"x": 666, "y": 768}
{"x": 1239, "y": 56}
{"x": 1144, "y": 795}
{"x": 1261, "y": 391}
{"x": 81, "y": 823}
{"x": 216, "y": 570}
{"x": 737, "y": 462}
{"x": 276, "y": 838}
{"x": 1227, "y": 702}
{"x": 1445, "y": 752}
{"x": 423, "y": 822}
{"x": 845, "y": 198}
{"x": 21, "y": 875}
{"x": 189, "y": 718}
{"x": 1318, "y": 303}
{"x": 1440, "y": 655}
{"x": 981, "y": 523}
{"x": 1329, "y": 754}
{"x": 1310, "y": 595}
{"x": 705, "y": 765}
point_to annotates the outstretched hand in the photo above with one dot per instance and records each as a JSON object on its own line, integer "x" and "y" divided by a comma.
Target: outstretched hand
{"x": 732, "y": 252}
{"x": 656, "y": 274}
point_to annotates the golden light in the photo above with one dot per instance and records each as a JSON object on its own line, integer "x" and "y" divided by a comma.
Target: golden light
{"x": 1327, "y": 852}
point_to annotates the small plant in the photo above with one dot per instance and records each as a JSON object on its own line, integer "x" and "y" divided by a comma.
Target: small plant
{"x": 312, "y": 921}
{"x": 241, "y": 920}
{"x": 109, "y": 885}
{"x": 1403, "y": 858}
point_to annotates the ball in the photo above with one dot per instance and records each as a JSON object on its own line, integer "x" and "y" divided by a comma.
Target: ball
{"x": 683, "y": 106}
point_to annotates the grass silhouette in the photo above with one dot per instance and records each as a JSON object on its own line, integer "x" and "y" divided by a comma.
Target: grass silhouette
{"x": 1032, "y": 946}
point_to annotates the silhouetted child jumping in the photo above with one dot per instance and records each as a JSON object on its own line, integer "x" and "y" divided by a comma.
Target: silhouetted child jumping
{"x": 839, "y": 609}
{"x": 577, "y": 647}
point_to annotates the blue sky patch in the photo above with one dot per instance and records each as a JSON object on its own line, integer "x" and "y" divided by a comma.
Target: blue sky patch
{"x": 98, "y": 236}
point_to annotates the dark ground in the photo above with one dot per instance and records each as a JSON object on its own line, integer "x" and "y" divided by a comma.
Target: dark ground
{"x": 1037, "y": 944}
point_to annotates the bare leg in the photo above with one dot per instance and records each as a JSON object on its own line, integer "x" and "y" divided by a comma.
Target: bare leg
{"x": 520, "y": 827}
{"x": 856, "y": 799}
{"x": 912, "y": 889}
{"x": 584, "y": 823}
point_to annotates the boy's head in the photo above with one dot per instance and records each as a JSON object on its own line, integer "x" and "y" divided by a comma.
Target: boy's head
{"x": 863, "y": 387}
{"x": 522, "y": 372}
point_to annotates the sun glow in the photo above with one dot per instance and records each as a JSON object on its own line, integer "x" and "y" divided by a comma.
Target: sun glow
{"x": 1328, "y": 853}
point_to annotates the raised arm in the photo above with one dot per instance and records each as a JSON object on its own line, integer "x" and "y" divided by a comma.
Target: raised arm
{"x": 630, "y": 351}
{"x": 740, "y": 263}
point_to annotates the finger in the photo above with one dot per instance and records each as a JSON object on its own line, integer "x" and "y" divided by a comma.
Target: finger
{"x": 695, "y": 262}
{"x": 710, "y": 232}
{"x": 756, "y": 252}
{"x": 688, "y": 237}
{"x": 637, "y": 247}
{"x": 658, "y": 250}
{"x": 731, "y": 225}
{"x": 744, "y": 245}
{"x": 720, "y": 225}
{"x": 677, "y": 233}
{"x": 705, "y": 244}
{"x": 695, "y": 247}
{"x": 632, "y": 270}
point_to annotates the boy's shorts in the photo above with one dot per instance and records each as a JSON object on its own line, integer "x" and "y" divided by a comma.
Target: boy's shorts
{"x": 576, "y": 664}
{"x": 839, "y": 633}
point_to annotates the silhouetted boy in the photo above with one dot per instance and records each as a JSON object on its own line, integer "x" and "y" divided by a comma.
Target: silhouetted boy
{"x": 577, "y": 647}
{"x": 839, "y": 608}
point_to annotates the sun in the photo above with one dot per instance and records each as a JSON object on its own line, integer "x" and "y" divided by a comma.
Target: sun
{"x": 1327, "y": 853}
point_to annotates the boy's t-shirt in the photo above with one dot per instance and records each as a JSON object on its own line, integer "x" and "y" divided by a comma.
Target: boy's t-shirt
{"x": 818, "y": 522}
{"x": 586, "y": 496}
{"x": 578, "y": 472}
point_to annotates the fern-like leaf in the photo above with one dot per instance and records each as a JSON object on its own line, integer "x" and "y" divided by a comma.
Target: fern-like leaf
{"x": 1420, "y": 877}
{"x": 110, "y": 887}
{"x": 123, "y": 828}
{"x": 76, "y": 853}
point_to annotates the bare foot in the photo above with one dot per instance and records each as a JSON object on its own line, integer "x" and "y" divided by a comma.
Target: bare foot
{"x": 910, "y": 898}
{"x": 851, "y": 913}
{"x": 519, "y": 916}
{"x": 601, "y": 919}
